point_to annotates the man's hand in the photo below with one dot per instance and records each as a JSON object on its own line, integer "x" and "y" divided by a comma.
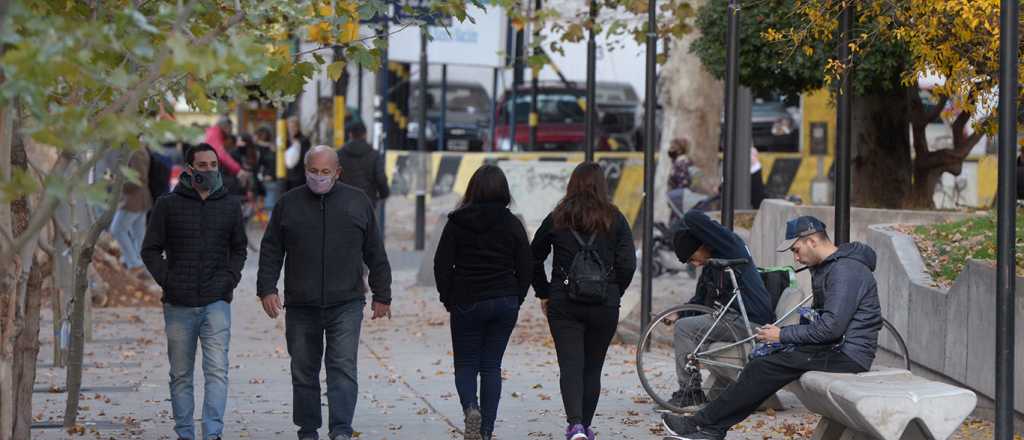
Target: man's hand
{"x": 381, "y": 310}
{"x": 271, "y": 305}
{"x": 768, "y": 333}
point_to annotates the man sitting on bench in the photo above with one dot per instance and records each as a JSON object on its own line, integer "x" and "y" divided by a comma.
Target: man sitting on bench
{"x": 842, "y": 339}
{"x": 697, "y": 239}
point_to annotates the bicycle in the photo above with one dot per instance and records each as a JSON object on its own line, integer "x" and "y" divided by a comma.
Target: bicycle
{"x": 718, "y": 363}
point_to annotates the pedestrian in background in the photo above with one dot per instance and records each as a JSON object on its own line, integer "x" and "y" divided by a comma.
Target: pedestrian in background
{"x": 362, "y": 166}
{"x": 594, "y": 262}
{"x": 298, "y": 146}
{"x": 129, "y": 223}
{"x": 323, "y": 233}
{"x": 483, "y": 267}
{"x": 195, "y": 248}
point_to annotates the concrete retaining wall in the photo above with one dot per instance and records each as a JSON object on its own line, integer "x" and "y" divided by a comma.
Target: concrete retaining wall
{"x": 948, "y": 331}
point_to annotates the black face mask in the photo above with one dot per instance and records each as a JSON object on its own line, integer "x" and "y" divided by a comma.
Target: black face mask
{"x": 208, "y": 181}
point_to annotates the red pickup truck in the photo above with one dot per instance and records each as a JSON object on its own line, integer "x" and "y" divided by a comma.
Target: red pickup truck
{"x": 561, "y": 120}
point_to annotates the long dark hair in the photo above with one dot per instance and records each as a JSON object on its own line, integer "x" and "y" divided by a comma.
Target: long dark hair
{"x": 586, "y": 207}
{"x": 488, "y": 185}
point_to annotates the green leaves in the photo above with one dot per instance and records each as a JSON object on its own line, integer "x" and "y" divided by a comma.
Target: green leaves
{"x": 335, "y": 69}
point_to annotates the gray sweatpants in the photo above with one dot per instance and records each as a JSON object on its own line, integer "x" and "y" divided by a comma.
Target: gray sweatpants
{"x": 688, "y": 333}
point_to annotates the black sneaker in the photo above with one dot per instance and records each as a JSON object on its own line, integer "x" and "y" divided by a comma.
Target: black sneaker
{"x": 472, "y": 426}
{"x": 688, "y": 399}
{"x": 679, "y": 425}
{"x": 700, "y": 435}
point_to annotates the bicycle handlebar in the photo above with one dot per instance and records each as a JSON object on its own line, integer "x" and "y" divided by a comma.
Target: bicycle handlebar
{"x": 722, "y": 263}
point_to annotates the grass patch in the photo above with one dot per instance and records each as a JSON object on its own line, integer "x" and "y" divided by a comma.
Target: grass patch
{"x": 945, "y": 247}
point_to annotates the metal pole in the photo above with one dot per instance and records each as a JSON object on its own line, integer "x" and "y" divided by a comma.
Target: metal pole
{"x": 731, "y": 83}
{"x": 1006, "y": 234}
{"x": 381, "y": 112}
{"x": 591, "y": 115}
{"x": 421, "y": 146}
{"x": 514, "y": 54}
{"x": 843, "y": 100}
{"x": 744, "y": 142}
{"x": 359, "y": 91}
{"x": 494, "y": 108}
{"x": 649, "y": 136}
{"x": 340, "y": 100}
{"x": 535, "y": 73}
{"x": 443, "y": 123}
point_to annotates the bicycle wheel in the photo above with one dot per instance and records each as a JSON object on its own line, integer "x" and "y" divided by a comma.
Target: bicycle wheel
{"x": 707, "y": 374}
{"x": 902, "y": 354}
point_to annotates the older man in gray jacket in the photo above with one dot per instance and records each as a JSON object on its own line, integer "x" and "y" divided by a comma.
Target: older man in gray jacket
{"x": 842, "y": 339}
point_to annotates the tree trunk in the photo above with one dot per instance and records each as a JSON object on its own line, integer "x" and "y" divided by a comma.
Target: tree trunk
{"x": 82, "y": 258}
{"x": 880, "y": 151}
{"x": 27, "y": 348}
{"x": 13, "y": 291}
{"x": 692, "y": 101}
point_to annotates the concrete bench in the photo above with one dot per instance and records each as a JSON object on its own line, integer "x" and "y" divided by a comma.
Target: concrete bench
{"x": 882, "y": 404}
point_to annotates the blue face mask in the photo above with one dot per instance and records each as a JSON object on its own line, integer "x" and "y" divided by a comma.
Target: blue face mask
{"x": 207, "y": 181}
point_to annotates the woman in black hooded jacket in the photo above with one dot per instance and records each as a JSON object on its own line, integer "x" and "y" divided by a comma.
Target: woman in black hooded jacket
{"x": 483, "y": 267}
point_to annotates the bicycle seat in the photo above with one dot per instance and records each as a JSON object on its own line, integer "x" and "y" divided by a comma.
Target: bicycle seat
{"x": 722, "y": 263}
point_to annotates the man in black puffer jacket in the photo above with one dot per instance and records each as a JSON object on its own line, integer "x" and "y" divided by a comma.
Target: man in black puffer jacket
{"x": 322, "y": 233}
{"x": 361, "y": 165}
{"x": 195, "y": 248}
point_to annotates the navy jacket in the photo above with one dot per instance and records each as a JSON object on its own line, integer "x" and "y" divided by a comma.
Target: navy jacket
{"x": 726, "y": 244}
{"x": 846, "y": 298}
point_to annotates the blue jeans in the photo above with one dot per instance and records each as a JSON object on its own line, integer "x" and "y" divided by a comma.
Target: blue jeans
{"x": 305, "y": 330}
{"x": 211, "y": 326}
{"x": 480, "y": 333}
{"x": 128, "y": 228}
{"x": 273, "y": 191}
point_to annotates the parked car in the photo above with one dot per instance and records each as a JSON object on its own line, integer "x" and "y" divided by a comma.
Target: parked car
{"x": 561, "y": 122}
{"x": 467, "y": 116}
{"x": 774, "y": 128}
{"x": 620, "y": 114}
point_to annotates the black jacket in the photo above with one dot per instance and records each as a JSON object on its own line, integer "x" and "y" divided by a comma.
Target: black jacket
{"x": 194, "y": 248}
{"x": 483, "y": 253}
{"x": 726, "y": 244}
{"x": 846, "y": 298}
{"x": 363, "y": 168}
{"x": 322, "y": 241}
{"x": 615, "y": 248}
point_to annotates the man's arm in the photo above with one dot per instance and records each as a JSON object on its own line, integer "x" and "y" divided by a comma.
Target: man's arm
{"x": 376, "y": 258}
{"x": 381, "y": 177}
{"x": 712, "y": 233}
{"x": 843, "y": 289}
{"x": 239, "y": 246}
{"x": 153, "y": 244}
{"x": 272, "y": 253}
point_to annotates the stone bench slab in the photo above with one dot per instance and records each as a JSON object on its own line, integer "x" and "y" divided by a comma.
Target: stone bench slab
{"x": 883, "y": 404}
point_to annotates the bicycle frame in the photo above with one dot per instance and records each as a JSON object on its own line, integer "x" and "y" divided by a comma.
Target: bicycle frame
{"x": 736, "y": 297}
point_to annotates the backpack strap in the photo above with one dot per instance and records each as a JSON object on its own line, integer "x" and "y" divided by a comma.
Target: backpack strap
{"x": 579, "y": 239}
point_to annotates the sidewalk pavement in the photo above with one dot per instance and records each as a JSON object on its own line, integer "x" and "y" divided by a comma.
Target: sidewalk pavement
{"x": 405, "y": 370}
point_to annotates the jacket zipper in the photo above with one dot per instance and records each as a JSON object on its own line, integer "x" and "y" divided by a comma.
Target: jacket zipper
{"x": 323, "y": 251}
{"x": 202, "y": 240}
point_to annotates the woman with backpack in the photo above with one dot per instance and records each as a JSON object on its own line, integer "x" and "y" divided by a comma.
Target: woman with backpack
{"x": 594, "y": 262}
{"x": 483, "y": 267}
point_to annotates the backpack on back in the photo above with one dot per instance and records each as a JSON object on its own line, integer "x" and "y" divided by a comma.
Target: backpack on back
{"x": 588, "y": 276}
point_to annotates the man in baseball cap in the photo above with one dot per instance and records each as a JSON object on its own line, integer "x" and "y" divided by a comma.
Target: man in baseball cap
{"x": 798, "y": 228}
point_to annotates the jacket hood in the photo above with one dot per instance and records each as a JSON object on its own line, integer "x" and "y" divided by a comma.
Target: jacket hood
{"x": 184, "y": 189}
{"x": 479, "y": 218}
{"x": 857, "y": 251}
{"x": 356, "y": 148}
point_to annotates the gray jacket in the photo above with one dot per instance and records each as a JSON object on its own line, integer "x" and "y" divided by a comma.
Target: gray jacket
{"x": 846, "y": 298}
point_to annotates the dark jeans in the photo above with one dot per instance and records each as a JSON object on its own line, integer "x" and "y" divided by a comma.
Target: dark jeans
{"x": 305, "y": 329}
{"x": 582, "y": 333}
{"x": 480, "y": 333}
{"x": 763, "y": 377}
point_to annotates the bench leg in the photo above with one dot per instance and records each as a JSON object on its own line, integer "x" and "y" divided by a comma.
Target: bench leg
{"x": 828, "y": 429}
{"x": 914, "y": 431}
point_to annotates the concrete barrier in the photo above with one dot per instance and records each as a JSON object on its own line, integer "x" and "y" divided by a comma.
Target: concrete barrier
{"x": 950, "y": 332}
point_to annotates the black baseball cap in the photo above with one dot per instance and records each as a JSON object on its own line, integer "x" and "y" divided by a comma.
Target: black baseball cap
{"x": 798, "y": 228}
